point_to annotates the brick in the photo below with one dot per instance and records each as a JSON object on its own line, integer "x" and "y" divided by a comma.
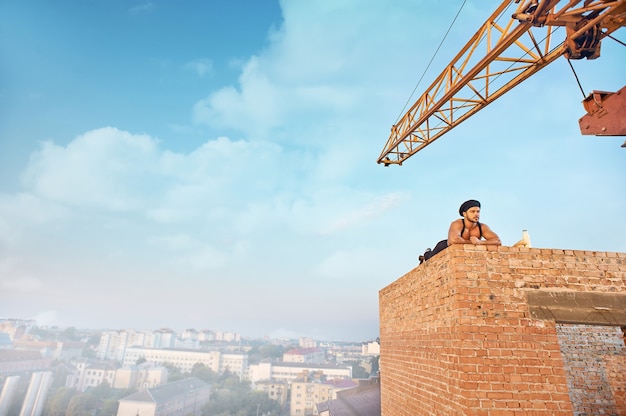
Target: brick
{"x": 469, "y": 344}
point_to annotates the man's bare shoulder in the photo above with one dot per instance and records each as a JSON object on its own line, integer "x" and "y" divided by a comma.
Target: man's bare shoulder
{"x": 457, "y": 224}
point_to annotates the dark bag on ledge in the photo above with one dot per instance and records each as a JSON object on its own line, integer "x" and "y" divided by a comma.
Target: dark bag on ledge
{"x": 442, "y": 245}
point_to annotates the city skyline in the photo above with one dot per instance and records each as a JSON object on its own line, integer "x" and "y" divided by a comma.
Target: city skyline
{"x": 213, "y": 164}
{"x": 216, "y": 335}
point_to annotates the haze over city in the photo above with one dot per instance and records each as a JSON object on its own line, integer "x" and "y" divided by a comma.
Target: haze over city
{"x": 213, "y": 164}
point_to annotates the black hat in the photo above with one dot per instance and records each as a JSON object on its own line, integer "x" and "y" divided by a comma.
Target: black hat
{"x": 467, "y": 205}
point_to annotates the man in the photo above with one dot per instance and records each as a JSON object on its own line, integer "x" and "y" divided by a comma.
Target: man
{"x": 466, "y": 230}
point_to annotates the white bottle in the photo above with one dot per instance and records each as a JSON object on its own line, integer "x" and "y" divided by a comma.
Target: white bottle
{"x": 525, "y": 241}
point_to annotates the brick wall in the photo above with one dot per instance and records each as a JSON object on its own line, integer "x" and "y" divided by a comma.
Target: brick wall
{"x": 499, "y": 330}
{"x": 594, "y": 358}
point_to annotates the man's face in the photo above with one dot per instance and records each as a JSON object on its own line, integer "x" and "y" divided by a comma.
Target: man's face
{"x": 472, "y": 214}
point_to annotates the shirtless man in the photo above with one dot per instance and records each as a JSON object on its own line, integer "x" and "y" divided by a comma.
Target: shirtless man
{"x": 468, "y": 230}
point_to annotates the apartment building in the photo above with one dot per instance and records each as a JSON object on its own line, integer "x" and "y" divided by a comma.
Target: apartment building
{"x": 140, "y": 377}
{"x": 305, "y": 395}
{"x": 209, "y": 336}
{"x": 225, "y": 336}
{"x": 36, "y": 394}
{"x": 370, "y": 348}
{"x": 7, "y": 394}
{"x": 343, "y": 352}
{"x": 163, "y": 338}
{"x": 113, "y": 344}
{"x": 307, "y": 342}
{"x": 291, "y": 371}
{"x": 305, "y": 355}
{"x": 275, "y": 390}
{"x": 91, "y": 374}
{"x": 184, "y": 360}
{"x": 235, "y": 363}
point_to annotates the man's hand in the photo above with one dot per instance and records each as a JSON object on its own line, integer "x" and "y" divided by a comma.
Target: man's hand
{"x": 475, "y": 240}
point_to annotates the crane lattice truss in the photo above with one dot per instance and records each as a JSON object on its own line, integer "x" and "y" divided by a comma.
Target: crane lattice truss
{"x": 498, "y": 58}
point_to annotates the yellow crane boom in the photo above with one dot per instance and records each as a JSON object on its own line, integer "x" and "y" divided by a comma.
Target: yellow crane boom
{"x": 498, "y": 58}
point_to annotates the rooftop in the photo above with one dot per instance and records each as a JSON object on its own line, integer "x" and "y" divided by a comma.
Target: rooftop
{"x": 167, "y": 391}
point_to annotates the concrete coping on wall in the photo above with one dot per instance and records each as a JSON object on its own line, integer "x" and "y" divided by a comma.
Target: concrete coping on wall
{"x": 578, "y": 307}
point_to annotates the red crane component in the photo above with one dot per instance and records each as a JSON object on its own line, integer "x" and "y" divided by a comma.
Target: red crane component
{"x": 605, "y": 114}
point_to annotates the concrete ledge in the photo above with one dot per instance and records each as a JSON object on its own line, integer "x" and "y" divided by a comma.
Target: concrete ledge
{"x": 578, "y": 307}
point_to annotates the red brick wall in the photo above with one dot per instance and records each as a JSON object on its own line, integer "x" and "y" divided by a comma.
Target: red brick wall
{"x": 457, "y": 337}
{"x": 594, "y": 359}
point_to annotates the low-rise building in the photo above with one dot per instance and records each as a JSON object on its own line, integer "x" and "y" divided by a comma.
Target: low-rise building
{"x": 57, "y": 350}
{"x": 36, "y": 394}
{"x": 291, "y": 371}
{"x": 140, "y": 377}
{"x": 307, "y": 393}
{"x": 5, "y": 341}
{"x": 14, "y": 362}
{"x": 275, "y": 390}
{"x": 363, "y": 400}
{"x": 371, "y": 348}
{"x": 184, "y": 360}
{"x": 183, "y": 397}
{"x": 305, "y": 355}
{"x": 16, "y": 328}
{"x": 91, "y": 374}
{"x": 307, "y": 342}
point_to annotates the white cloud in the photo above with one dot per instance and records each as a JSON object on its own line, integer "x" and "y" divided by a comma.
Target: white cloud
{"x": 142, "y": 8}
{"x": 368, "y": 212}
{"x": 255, "y": 109}
{"x": 327, "y": 62}
{"x": 201, "y": 67}
{"x": 98, "y": 169}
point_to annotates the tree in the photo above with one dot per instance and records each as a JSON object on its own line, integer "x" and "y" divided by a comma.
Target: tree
{"x": 101, "y": 391}
{"x": 203, "y": 373}
{"x": 89, "y": 352}
{"x": 57, "y": 402}
{"x": 111, "y": 404}
{"x": 94, "y": 340}
{"x": 358, "y": 371}
{"x": 82, "y": 405}
{"x": 109, "y": 407}
{"x": 41, "y": 333}
{"x": 242, "y": 403}
{"x": 265, "y": 352}
{"x": 174, "y": 373}
{"x": 375, "y": 364}
{"x": 69, "y": 334}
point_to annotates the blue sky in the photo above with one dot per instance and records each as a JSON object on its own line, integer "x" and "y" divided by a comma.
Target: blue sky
{"x": 212, "y": 164}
